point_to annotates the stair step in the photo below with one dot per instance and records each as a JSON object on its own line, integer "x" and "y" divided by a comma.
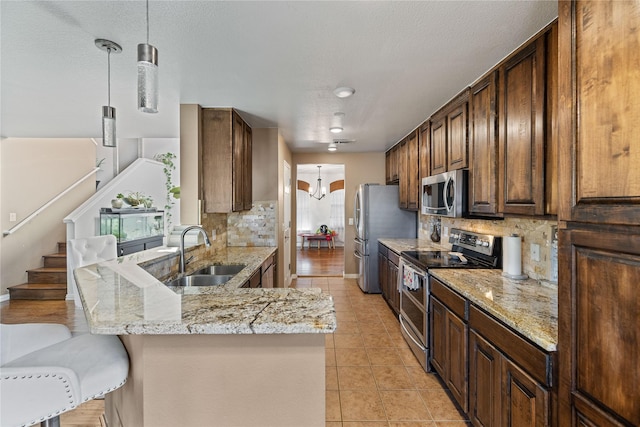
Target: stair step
{"x": 58, "y": 260}
{"x": 38, "y": 291}
{"x": 47, "y": 275}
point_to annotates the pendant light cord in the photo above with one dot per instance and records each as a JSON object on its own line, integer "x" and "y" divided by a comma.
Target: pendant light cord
{"x": 109, "y": 77}
{"x": 147, "y": 21}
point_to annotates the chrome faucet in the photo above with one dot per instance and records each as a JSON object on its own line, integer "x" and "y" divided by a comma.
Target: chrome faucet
{"x": 207, "y": 243}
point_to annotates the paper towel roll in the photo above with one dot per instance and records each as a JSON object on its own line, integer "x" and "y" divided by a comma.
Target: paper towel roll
{"x": 512, "y": 257}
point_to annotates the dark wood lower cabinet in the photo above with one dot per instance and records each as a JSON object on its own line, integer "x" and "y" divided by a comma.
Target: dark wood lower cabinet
{"x": 388, "y": 276}
{"x": 485, "y": 382}
{"x": 525, "y": 403}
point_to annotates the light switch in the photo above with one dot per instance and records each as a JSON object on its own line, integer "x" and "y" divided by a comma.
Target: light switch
{"x": 350, "y": 221}
{"x": 535, "y": 252}
{"x": 12, "y": 217}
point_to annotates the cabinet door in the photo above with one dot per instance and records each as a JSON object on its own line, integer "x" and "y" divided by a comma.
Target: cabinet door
{"x": 403, "y": 174}
{"x": 439, "y": 146}
{"x": 485, "y": 375}
{"x": 395, "y": 163}
{"x": 457, "y": 148}
{"x": 217, "y": 166}
{"x": 599, "y": 52}
{"x": 456, "y": 359}
{"x": 383, "y": 275}
{"x": 247, "y": 165}
{"x": 413, "y": 171}
{"x": 387, "y": 167}
{"x": 524, "y": 401}
{"x": 425, "y": 153}
{"x": 599, "y": 324}
{"x": 521, "y": 136}
{"x": 238, "y": 163}
{"x": 483, "y": 147}
{"x": 438, "y": 337}
{"x": 394, "y": 295}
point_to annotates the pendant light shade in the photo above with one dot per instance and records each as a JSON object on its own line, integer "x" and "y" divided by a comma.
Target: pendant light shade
{"x": 108, "y": 126}
{"x": 147, "y": 75}
{"x": 108, "y": 112}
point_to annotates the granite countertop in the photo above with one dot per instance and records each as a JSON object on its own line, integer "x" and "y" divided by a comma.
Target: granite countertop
{"x": 123, "y": 296}
{"x": 530, "y": 307}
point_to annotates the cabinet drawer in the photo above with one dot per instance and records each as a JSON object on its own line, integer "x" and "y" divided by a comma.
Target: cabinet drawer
{"x": 383, "y": 250}
{"x": 535, "y": 361}
{"x": 452, "y": 300}
{"x": 393, "y": 257}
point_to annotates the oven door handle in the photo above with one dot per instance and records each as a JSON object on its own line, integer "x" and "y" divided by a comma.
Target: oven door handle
{"x": 411, "y": 336}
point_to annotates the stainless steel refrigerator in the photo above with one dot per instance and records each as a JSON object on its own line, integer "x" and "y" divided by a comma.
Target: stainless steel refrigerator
{"x": 377, "y": 216}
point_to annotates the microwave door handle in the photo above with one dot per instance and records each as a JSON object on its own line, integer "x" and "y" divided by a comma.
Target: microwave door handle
{"x": 432, "y": 209}
{"x": 444, "y": 194}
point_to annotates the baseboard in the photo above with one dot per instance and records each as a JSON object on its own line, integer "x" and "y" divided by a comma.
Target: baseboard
{"x": 4, "y": 297}
{"x": 350, "y": 276}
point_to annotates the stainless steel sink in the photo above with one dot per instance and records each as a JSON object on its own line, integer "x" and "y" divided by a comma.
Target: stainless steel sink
{"x": 228, "y": 269}
{"x": 201, "y": 280}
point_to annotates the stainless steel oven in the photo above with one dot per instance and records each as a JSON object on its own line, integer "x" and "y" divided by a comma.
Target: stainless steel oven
{"x": 414, "y": 313}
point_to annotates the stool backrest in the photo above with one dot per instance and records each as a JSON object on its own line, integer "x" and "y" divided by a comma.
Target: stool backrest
{"x": 89, "y": 250}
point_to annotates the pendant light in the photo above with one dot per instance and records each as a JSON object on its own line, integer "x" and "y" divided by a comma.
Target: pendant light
{"x": 320, "y": 191}
{"x": 336, "y": 123}
{"x": 108, "y": 112}
{"x": 147, "y": 75}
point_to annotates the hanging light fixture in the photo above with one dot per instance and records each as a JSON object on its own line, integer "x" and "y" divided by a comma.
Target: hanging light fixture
{"x": 332, "y": 147}
{"x": 320, "y": 191}
{"x": 147, "y": 75}
{"x": 108, "y": 112}
{"x": 336, "y": 124}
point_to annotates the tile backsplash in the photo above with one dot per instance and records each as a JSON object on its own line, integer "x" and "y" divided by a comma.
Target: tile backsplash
{"x": 256, "y": 227}
{"x": 534, "y": 232}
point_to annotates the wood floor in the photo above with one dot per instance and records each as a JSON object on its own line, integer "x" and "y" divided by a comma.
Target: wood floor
{"x": 320, "y": 262}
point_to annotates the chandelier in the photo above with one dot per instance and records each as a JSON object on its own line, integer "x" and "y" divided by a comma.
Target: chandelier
{"x": 320, "y": 191}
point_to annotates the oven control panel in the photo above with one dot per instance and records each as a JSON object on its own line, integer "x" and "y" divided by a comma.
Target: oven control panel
{"x": 481, "y": 243}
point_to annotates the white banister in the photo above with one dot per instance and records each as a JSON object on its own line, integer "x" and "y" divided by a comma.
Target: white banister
{"x": 49, "y": 203}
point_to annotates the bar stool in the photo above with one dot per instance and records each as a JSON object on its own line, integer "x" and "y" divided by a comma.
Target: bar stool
{"x": 90, "y": 250}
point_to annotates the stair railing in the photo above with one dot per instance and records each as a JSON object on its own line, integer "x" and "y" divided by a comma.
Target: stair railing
{"x": 49, "y": 203}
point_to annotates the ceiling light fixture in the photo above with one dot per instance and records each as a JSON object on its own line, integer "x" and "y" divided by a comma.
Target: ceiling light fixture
{"x": 336, "y": 124}
{"x": 332, "y": 147}
{"x": 108, "y": 112}
{"x": 147, "y": 75}
{"x": 344, "y": 92}
{"x": 320, "y": 191}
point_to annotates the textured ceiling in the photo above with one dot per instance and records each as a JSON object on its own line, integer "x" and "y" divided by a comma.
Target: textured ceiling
{"x": 276, "y": 62}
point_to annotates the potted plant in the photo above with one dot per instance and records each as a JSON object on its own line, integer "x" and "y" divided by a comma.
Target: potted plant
{"x": 134, "y": 199}
{"x": 117, "y": 202}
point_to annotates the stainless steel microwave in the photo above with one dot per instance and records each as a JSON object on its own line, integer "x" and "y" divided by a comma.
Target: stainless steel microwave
{"x": 445, "y": 194}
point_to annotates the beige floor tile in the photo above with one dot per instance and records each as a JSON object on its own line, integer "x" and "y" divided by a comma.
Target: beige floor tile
{"x": 333, "y": 424}
{"x": 331, "y": 378}
{"x": 351, "y": 357}
{"x": 377, "y": 340}
{"x": 387, "y": 356}
{"x": 347, "y": 316}
{"x": 347, "y": 327}
{"x": 408, "y": 358}
{"x": 356, "y": 378}
{"x": 404, "y": 405}
{"x": 392, "y": 378}
{"x": 348, "y": 340}
{"x": 329, "y": 357}
{"x": 328, "y": 341}
{"x": 412, "y": 424}
{"x": 332, "y": 405}
{"x": 440, "y": 405}
{"x": 342, "y": 305}
{"x": 365, "y": 424}
{"x": 372, "y": 327}
{"x": 452, "y": 424}
{"x": 361, "y": 406}
{"x": 422, "y": 379}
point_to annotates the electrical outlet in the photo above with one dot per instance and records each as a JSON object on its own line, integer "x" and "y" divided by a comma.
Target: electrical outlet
{"x": 535, "y": 252}
{"x": 446, "y": 231}
{"x": 213, "y": 234}
{"x": 350, "y": 221}
{"x": 12, "y": 217}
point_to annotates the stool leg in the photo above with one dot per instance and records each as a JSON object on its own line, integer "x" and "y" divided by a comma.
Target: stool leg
{"x": 51, "y": 422}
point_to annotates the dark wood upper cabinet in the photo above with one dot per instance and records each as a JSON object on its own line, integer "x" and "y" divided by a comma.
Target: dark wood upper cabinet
{"x": 403, "y": 154}
{"x": 521, "y": 132}
{"x": 226, "y": 161}
{"x": 425, "y": 152}
{"x": 413, "y": 172}
{"x": 600, "y": 162}
{"x": 457, "y": 141}
{"x": 483, "y": 147}
{"x": 438, "y": 145}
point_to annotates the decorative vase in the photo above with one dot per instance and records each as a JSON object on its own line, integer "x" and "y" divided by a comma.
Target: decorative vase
{"x": 116, "y": 203}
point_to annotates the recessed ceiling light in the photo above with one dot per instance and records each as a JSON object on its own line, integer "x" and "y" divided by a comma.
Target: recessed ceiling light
{"x": 336, "y": 129}
{"x": 332, "y": 147}
{"x": 344, "y": 92}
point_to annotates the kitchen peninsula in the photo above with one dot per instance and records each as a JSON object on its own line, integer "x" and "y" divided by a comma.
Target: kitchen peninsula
{"x": 205, "y": 355}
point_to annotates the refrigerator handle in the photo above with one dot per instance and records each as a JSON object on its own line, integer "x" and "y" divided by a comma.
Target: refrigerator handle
{"x": 357, "y": 255}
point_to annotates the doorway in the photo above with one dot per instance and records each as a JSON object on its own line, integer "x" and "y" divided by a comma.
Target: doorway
{"x": 320, "y": 218}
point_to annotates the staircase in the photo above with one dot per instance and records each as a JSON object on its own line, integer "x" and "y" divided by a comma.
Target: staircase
{"x": 45, "y": 283}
